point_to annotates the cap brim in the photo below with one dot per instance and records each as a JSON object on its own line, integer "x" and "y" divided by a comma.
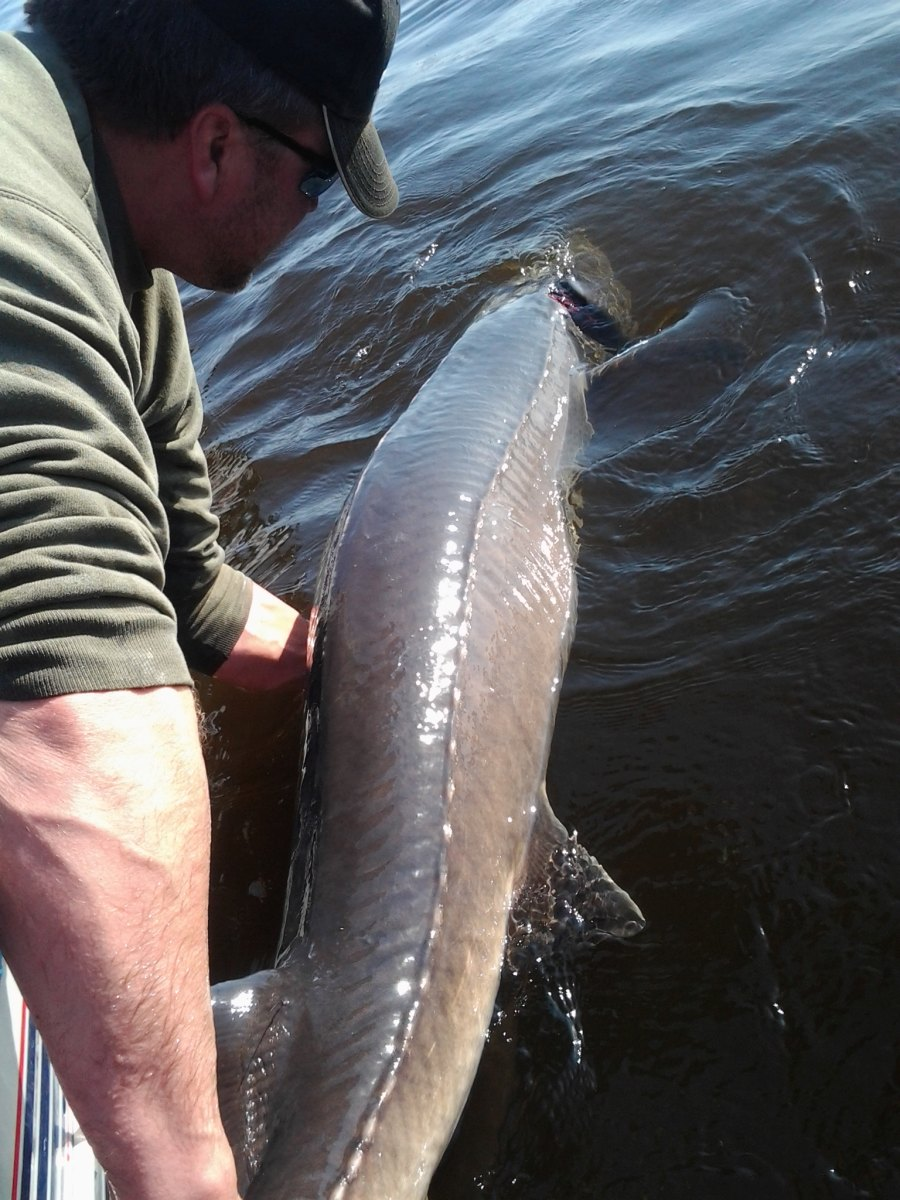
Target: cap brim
{"x": 362, "y": 165}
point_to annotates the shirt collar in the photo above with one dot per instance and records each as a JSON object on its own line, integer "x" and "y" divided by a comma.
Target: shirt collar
{"x": 128, "y": 262}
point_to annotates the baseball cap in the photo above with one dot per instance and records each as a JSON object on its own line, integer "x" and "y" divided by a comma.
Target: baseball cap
{"x": 334, "y": 52}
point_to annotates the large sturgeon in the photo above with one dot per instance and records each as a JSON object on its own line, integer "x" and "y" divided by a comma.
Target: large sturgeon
{"x": 445, "y": 613}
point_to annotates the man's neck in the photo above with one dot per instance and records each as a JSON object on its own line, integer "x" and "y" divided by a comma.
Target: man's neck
{"x": 151, "y": 176}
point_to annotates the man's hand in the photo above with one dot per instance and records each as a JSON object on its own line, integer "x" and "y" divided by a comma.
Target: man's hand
{"x": 272, "y": 650}
{"x": 104, "y": 869}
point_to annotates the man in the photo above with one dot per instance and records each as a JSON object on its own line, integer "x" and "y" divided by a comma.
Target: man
{"x": 139, "y": 138}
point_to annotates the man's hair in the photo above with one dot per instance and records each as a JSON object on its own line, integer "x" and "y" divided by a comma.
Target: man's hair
{"x": 149, "y": 65}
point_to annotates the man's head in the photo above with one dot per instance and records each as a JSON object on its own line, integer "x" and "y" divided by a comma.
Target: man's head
{"x": 148, "y": 66}
{"x": 335, "y": 52}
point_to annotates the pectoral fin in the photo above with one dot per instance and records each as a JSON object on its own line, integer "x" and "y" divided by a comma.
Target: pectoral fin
{"x": 567, "y": 902}
{"x": 249, "y": 1016}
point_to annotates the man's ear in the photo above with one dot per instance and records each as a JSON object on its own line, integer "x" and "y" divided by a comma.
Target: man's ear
{"x": 218, "y": 152}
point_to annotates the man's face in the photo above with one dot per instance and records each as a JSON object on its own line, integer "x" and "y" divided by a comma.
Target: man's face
{"x": 270, "y": 208}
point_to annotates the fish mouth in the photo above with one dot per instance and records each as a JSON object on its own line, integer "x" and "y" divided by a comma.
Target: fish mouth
{"x": 566, "y": 295}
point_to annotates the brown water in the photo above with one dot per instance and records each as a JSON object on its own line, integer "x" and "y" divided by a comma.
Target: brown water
{"x": 728, "y": 737}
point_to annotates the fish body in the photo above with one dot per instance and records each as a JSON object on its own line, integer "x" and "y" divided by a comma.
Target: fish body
{"x": 444, "y": 619}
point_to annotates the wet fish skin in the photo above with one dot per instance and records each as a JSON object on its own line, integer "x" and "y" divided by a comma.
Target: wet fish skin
{"x": 445, "y": 617}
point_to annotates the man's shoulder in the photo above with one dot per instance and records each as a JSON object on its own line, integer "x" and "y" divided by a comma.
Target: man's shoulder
{"x": 45, "y": 131}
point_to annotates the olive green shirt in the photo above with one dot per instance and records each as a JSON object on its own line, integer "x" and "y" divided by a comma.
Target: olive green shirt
{"x": 111, "y": 575}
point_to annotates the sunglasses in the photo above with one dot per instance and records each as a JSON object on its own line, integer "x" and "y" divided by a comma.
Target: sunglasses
{"x": 322, "y": 172}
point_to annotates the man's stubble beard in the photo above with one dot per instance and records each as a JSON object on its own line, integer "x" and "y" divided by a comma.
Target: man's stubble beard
{"x": 235, "y": 253}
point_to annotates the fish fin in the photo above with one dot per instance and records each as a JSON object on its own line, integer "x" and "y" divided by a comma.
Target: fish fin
{"x": 567, "y": 901}
{"x": 249, "y": 1016}
{"x": 664, "y": 381}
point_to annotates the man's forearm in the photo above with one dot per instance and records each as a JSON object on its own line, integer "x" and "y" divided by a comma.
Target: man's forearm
{"x": 104, "y": 859}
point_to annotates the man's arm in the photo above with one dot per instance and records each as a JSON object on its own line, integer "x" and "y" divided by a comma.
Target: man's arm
{"x": 104, "y": 853}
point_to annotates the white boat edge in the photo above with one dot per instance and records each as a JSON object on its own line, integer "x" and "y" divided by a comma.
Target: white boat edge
{"x": 43, "y": 1153}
